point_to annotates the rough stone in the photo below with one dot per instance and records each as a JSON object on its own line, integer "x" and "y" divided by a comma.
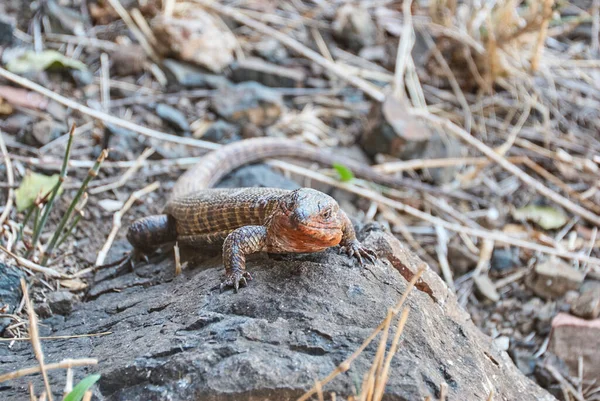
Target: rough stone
{"x": 248, "y": 102}
{"x": 255, "y": 69}
{"x": 392, "y": 130}
{"x": 572, "y": 338}
{"x": 299, "y": 318}
{"x": 587, "y": 305}
{"x": 128, "y": 60}
{"x": 173, "y": 117}
{"x": 222, "y": 132}
{"x": 271, "y": 50}
{"x": 61, "y": 302}
{"x": 7, "y": 27}
{"x": 354, "y": 27}
{"x": 191, "y": 76}
{"x": 552, "y": 279}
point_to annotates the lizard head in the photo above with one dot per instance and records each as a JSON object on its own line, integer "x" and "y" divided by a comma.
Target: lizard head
{"x": 307, "y": 221}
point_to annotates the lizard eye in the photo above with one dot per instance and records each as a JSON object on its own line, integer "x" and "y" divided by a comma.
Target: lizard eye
{"x": 326, "y": 214}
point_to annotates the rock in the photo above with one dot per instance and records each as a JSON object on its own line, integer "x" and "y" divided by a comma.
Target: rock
{"x": 222, "y": 132}
{"x": 354, "y": 27}
{"x": 258, "y": 175}
{"x": 255, "y": 69}
{"x": 552, "y": 279}
{"x": 198, "y": 39}
{"x": 10, "y": 293}
{"x": 393, "y": 131}
{"x": 61, "y": 302}
{"x": 248, "y": 102}
{"x": 504, "y": 261}
{"x": 191, "y": 76}
{"x": 173, "y": 117}
{"x": 587, "y": 305}
{"x": 271, "y": 50}
{"x": 296, "y": 321}
{"x": 45, "y": 131}
{"x": 7, "y": 27}
{"x": 128, "y": 60}
{"x": 485, "y": 288}
{"x": 572, "y": 338}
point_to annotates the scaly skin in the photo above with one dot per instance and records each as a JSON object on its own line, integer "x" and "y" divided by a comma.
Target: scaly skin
{"x": 248, "y": 220}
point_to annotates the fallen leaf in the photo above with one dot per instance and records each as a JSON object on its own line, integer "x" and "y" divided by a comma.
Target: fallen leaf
{"x": 73, "y": 284}
{"x": 31, "y": 61}
{"x": 34, "y": 184}
{"x": 545, "y": 216}
{"x": 344, "y": 172}
{"x": 5, "y": 107}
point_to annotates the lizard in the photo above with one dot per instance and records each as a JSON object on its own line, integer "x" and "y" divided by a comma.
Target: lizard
{"x": 242, "y": 221}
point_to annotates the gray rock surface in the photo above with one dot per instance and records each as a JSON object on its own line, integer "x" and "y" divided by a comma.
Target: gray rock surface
{"x": 296, "y": 321}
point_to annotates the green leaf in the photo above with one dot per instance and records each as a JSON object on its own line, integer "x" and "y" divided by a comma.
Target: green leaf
{"x": 79, "y": 390}
{"x": 31, "y": 61}
{"x": 34, "y": 184}
{"x": 344, "y": 172}
{"x": 546, "y": 217}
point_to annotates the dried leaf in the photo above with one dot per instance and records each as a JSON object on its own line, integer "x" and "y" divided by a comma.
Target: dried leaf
{"x": 31, "y": 62}
{"x": 34, "y": 184}
{"x": 546, "y": 217}
{"x": 5, "y": 107}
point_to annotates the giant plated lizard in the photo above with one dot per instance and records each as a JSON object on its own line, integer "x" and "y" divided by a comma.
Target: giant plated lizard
{"x": 249, "y": 220}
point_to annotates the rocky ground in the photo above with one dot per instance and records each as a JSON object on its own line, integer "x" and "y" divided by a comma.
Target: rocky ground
{"x": 494, "y": 316}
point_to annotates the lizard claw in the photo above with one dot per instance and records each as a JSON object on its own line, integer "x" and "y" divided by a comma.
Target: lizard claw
{"x": 234, "y": 279}
{"x": 357, "y": 250}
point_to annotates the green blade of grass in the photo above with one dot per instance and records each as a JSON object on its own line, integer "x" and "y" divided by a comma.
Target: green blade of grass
{"x": 345, "y": 174}
{"x": 79, "y": 390}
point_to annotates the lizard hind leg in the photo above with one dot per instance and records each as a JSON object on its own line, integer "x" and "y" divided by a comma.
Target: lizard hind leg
{"x": 239, "y": 243}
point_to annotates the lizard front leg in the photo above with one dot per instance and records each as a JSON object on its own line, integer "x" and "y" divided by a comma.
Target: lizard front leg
{"x": 351, "y": 245}
{"x": 239, "y": 243}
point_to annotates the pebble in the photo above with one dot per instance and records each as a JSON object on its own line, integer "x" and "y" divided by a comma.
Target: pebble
{"x": 248, "y": 102}
{"x": 173, "y": 116}
{"x": 552, "y": 279}
{"x": 61, "y": 302}
{"x": 354, "y": 27}
{"x": 222, "y": 132}
{"x": 191, "y": 76}
{"x": 587, "y": 305}
{"x": 573, "y": 338}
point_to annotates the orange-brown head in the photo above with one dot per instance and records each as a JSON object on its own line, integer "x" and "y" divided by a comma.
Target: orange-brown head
{"x": 306, "y": 221}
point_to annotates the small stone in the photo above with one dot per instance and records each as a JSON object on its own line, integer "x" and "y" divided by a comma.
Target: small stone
{"x": 128, "y": 60}
{"x": 255, "y": 69}
{"x": 504, "y": 261}
{"x": 173, "y": 116}
{"x": 572, "y": 338}
{"x": 552, "y": 279}
{"x": 271, "y": 50}
{"x": 587, "y": 306}
{"x": 222, "y": 132}
{"x": 45, "y": 131}
{"x": 191, "y": 76}
{"x": 485, "y": 288}
{"x": 248, "y": 102}
{"x": 61, "y": 302}
{"x": 392, "y": 130}
{"x": 7, "y": 27}
{"x": 354, "y": 27}
{"x": 502, "y": 342}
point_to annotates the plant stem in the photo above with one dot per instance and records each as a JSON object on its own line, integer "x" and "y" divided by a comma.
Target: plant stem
{"x": 63, "y": 174}
{"x": 91, "y": 174}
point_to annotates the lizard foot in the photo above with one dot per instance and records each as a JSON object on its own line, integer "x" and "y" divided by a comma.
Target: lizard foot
{"x": 234, "y": 279}
{"x": 359, "y": 251}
